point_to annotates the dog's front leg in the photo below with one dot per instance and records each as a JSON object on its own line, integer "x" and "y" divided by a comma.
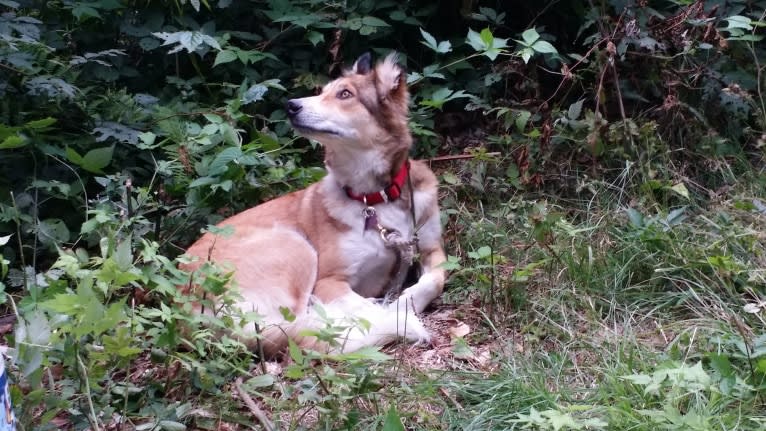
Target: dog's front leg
{"x": 429, "y": 285}
{"x": 384, "y": 324}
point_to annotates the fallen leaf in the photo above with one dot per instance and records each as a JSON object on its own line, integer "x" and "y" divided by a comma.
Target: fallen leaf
{"x": 459, "y": 330}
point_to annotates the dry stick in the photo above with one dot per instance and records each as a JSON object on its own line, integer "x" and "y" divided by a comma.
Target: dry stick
{"x": 37, "y": 219}
{"x": 759, "y": 71}
{"x": 254, "y": 409}
{"x": 451, "y": 398}
{"x": 542, "y": 11}
{"x": 600, "y": 88}
{"x": 21, "y": 245}
{"x": 574, "y": 66}
{"x": 459, "y": 157}
{"x": 92, "y": 418}
{"x": 259, "y": 346}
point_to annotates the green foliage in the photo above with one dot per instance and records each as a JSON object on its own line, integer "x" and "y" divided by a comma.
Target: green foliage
{"x": 615, "y": 159}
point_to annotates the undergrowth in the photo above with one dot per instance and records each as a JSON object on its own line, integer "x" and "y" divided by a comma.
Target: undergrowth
{"x": 633, "y": 313}
{"x": 601, "y": 170}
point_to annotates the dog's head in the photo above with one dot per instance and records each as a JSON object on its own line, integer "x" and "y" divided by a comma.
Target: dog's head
{"x": 365, "y": 108}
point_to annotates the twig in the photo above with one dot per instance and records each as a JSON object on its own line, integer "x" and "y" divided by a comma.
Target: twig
{"x": 254, "y": 409}
{"x": 21, "y": 245}
{"x": 92, "y": 418}
{"x": 126, "y": 382}
{"x": 458, "y": 157}
{"x": 451, "y": 398}
{"x": 542, "y": 11}
{"x": 759, "y": 72}
{"x": 11, "y": 69}
{"x": 574, "y": 66}
{"x": 259, "y": 345}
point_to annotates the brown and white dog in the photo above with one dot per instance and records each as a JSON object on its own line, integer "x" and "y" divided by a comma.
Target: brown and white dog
{"x": 349, "y": 237}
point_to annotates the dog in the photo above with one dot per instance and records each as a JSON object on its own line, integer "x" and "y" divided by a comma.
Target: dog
{"x": 328, "y": 251}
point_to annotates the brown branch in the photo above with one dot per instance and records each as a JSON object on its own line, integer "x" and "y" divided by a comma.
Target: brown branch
{"x": 458, "y": 157}
{"x": 254, "y": 409}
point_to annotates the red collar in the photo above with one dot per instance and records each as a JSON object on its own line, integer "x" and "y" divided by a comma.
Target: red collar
{"x": 390, "y": 193}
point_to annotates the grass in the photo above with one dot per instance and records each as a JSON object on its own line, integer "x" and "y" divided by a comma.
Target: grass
{"x": 614, "y": 309}
{"x": 636, "y": 319}
{"x": 622, "y": 305}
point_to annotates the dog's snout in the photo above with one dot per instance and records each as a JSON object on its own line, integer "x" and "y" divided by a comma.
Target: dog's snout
{"x": 293, "y": 107}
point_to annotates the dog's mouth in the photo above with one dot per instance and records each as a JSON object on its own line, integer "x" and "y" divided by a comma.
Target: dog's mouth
{"x": 304, "y": 130}
{"x": 308, "y": 130}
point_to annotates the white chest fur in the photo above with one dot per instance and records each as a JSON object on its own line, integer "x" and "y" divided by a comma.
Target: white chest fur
{"x": 370, "y": 264}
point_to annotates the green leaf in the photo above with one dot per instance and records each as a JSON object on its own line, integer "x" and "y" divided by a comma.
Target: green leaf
{"x": 254, "y": 94}
{"x": 171, "y": 425}
{"x": 486, "y": 42}
{"x": 522, "y": 118}
{"x": 295, "y": 352}
{"x": 315, "y": 37}
{"x": 369, "y": 353}
{"x": 443, "y": 95}
{"x": 97, "y": 159}
{"x": 261, "y": 381}
{"x": 450, "y": 178}
{"x": 147, "y": 141}
{"x": 487, "y": 37}
{"x": 67, "y": 304}
{"x": 635, "y": 217}
{"x": 81, "y": 11}
{"x": 474, "y": 39}
{"x": 374, "y": 22}
{"x": 13, "y": 142}
{"x": 225, "y": 56}
{"x": 739, "y": 21}
{"x": 681, "y": 190}
{"x": 123, "y": 255}
{"x": 52, "y": 231}
{"x": 222, "y": 160}
{"x": 482, "y": 252}
{"x": 392, "y": 422}
{"x": 747, "y": 38}
{"x": 73, "y": 156}
{"x": 544, "y": 47}
{"x": 398, "y": 15}
{"x": 526, "y": 54}
{"x": 560, "y": 420}
{"x": 203, "y": 181}
{"x": 188, "y": 40}
{"x": 451, "y": 264}
{"x": 40, "y": 124}
{"x": 429, "y": 40}
{"x": 461, "y": 350}
{"x": 530, "y": 36}
{"x": 575, "y": 110}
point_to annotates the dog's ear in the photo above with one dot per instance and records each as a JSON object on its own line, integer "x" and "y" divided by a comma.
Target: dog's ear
{"x": 391, "y": 79}
{"x": 363, "y": 64}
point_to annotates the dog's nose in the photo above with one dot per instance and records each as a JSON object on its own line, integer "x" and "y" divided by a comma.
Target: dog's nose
{"x": 293, "y": 107}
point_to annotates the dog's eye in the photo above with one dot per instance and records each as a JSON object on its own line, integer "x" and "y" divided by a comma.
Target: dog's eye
{"x": 344, "y": 94}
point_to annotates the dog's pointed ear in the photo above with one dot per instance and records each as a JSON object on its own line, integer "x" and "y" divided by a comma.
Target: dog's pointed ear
{"x": 391, "y": 79}
{"x": 363, "y": 64}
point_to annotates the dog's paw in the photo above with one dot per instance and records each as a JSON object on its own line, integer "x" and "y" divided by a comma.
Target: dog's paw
{"x": 413, "y": 329}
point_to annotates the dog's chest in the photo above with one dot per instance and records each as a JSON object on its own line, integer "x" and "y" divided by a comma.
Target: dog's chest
{"x": 372, "y": 263}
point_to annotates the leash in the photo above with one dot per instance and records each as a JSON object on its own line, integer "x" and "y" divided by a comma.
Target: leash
{"x": 407, "y": 265}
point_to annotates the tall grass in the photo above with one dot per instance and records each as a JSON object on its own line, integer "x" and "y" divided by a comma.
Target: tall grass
{"x": 646, "y": 313}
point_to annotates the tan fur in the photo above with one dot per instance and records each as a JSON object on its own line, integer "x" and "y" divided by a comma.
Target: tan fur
{"x": 310, "y": 246}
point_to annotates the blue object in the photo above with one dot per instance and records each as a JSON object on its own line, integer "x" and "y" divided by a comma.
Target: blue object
{"x": 7, "y": 418}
